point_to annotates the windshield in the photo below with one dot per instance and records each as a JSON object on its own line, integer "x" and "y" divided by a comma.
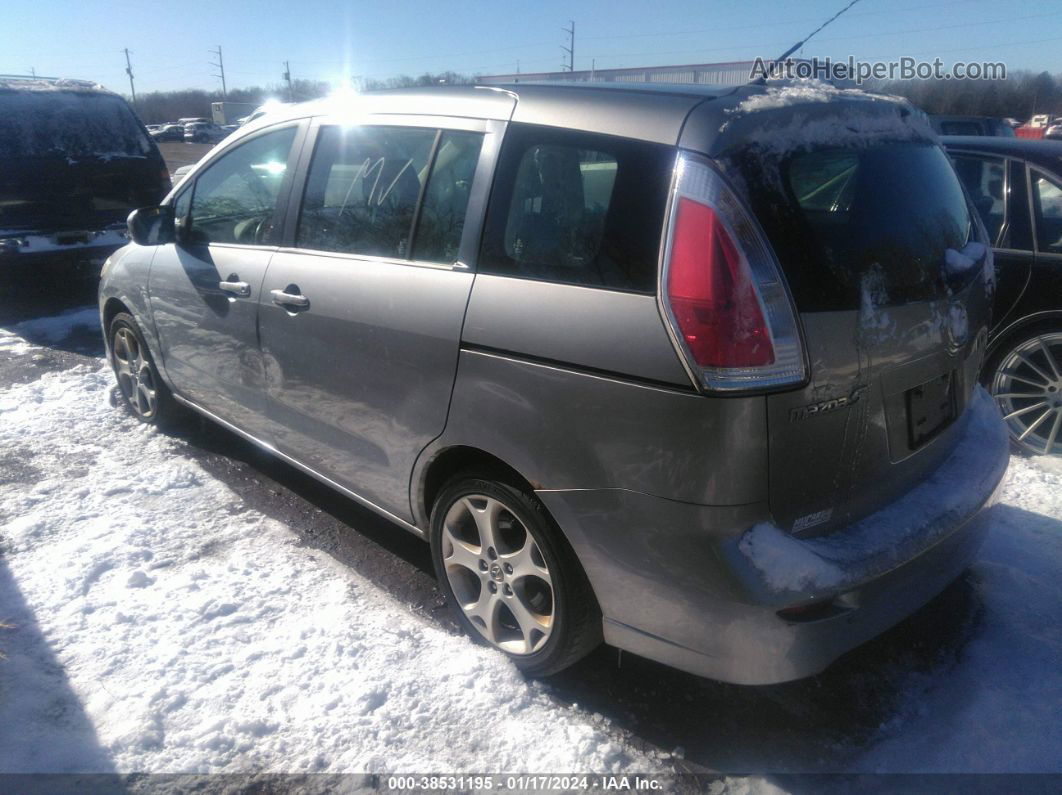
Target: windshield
{"x": 838, "y": 216}
{"x": 70, "y": 124}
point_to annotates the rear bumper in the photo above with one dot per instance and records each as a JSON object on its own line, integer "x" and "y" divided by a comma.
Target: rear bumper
{"x": 699, "y": 588}
{"x": 35, "y": 255}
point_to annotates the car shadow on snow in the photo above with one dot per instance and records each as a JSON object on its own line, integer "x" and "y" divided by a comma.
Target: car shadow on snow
{"x": 62, "y": 328}
{"x": 46, "y": 728}
{"x": 377, "y": 549}
{"x": 41, "y": 297}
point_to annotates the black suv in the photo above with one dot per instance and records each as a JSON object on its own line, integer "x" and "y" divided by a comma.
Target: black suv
{"x": 1016, "y": 186}
{"x": 74, "y": 162}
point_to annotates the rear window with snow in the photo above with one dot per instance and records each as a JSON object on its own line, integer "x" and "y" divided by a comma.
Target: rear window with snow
{"x": 838, "y": 216}
{"x": 69, "y": 124}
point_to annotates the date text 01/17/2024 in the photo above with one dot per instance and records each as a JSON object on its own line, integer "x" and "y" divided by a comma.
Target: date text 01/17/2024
{"x": 539, "y": 783}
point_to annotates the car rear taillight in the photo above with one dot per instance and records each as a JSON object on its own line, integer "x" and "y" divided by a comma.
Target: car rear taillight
{"x": 722, "y": 290}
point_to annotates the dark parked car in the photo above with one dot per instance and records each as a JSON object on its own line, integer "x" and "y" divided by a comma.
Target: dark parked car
{"x": 74, "y": 162}
{"x": 168, "y": 132}
{"x": 1016, "y": 185}
{"x": 972, "y": 125}
{"x": 692, "y": 371}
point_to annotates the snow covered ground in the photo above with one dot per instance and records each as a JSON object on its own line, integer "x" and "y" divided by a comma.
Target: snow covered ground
{"x": 196, "y": 635}
{"x": 157, "y": 623}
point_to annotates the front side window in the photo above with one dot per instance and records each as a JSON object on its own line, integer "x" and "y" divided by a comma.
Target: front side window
{"x": 577, "y": 208}
{"x": 363, "y": 189}
{"x": 235, "y": 198}
{"x": 983, "y": 178}
{"x": 1047, "y": 206}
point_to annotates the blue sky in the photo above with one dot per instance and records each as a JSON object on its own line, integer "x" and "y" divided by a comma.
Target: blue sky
{"x": 325, "y": 39}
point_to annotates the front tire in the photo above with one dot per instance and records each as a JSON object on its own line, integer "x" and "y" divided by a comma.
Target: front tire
{"x": 1026, "y": 381}
{"x": 510, "y": 577}
{"x": 141, "y": 387}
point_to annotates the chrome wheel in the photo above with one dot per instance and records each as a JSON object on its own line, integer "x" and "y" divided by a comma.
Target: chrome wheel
{"x": 1027, "y": 386}
{"x": 136, "y": 379}
{"x": 497, "y": 574}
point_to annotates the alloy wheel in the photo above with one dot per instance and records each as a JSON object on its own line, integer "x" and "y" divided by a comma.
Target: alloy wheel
{"x": 1027, "y": 386}
{"x": 136, "y": 379}
{"x": 497, "y": 573}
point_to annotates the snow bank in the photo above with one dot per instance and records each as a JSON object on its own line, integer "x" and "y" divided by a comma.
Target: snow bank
{"x": 198, "y": 636}
{"x": 898, "y": 531}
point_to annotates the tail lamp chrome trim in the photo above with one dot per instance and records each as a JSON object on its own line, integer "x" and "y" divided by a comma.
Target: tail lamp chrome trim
{"x": 697, "y": 179}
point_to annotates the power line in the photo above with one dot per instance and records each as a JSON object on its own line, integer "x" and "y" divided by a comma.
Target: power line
{"x": 220, "y": 66}
{"x": 129, "y": 71}
{"x": 847, "y": 37}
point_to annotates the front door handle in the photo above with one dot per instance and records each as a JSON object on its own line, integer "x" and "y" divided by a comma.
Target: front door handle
{"x": 239, "y": 289}
{"x": 292, "y": 299}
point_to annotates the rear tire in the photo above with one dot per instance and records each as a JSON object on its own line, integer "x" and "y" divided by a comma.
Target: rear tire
{"x": 1024, "y": 375}
{"x": 510, "y": 577}
{"x": 140, "y": 386}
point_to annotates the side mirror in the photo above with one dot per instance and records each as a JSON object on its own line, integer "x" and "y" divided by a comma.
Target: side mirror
{"x": 151, "y": 226}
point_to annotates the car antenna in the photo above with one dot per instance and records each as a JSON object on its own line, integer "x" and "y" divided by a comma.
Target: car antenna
{"x": 759, "y": 81}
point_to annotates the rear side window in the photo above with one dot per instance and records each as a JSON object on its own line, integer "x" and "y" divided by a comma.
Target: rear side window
{"x": 442, "y": 214}
{"x": 1047, "y": 205}
{"x": 984, "y": 178}
{"x": 842, "y": 219}
{"x": 363, "y": 189}
{"x": 577, "y": 208}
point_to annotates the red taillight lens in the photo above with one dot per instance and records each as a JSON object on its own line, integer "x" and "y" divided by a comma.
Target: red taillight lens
{"x": 712, "y": 295}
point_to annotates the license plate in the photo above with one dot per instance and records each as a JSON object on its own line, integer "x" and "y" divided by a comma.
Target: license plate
{"x": 930, "y": 409}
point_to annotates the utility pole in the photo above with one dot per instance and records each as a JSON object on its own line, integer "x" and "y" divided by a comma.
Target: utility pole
{"x": 287, "y": 77}
{"x": 220, "y": 66}
{"x": 570, "y": 49}
{"x": 33, "y": 72}
{"x": 129, "y": 71}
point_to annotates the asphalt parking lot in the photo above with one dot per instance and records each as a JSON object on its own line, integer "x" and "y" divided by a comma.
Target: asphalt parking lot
{"x": 177, "y": 153}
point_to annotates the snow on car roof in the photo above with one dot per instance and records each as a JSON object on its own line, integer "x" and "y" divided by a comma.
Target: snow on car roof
{"x": 51, "y": 84}
{"x": 799, "y": 92}
{"x": 802, "y": 114}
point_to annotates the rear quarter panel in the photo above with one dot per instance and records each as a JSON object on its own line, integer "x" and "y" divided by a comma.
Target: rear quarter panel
{"x": 563, "y": 428}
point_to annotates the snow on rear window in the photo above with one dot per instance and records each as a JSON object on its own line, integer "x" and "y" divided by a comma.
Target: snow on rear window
{"x": 71, "y": 124}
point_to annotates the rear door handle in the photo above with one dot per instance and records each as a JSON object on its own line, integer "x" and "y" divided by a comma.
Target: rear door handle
{"x": 239, "y": 289}
{"x": 284, "y": 298}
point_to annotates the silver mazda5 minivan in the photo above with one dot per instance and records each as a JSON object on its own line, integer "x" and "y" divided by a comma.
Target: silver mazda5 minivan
{"x": 691, "y": 371}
